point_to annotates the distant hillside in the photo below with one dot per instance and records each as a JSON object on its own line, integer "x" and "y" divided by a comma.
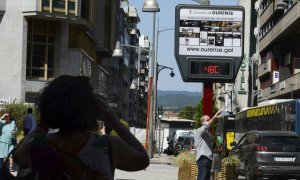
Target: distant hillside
{"x": 176, "y": 100}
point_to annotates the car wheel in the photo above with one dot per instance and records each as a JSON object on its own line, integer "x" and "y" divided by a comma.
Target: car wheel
{"x": 249, "y": 174}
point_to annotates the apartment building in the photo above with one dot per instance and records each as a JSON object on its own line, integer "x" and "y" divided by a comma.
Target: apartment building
{"x": 279, "y": 42}
{"x": 240, "y": 94}
{"x": 43, "y": 39}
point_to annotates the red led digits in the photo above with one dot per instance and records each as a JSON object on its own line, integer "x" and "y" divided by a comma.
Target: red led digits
{"x": 211, "y": 69}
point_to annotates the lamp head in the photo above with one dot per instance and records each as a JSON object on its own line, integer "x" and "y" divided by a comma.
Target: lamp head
{"x": 172, "y": 74}
{"x": 150, "y": 6}
{"x": 118, "y": 52}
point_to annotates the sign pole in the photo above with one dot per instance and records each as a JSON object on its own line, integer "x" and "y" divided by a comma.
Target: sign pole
{"x": 207, "y": 99}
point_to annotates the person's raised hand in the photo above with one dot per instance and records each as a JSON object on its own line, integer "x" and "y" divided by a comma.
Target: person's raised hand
{"x": 106, "y": 113}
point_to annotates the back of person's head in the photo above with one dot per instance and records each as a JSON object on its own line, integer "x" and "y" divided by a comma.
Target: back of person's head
{"x": 68, "y": 103}
{"x": 29, "y": 110}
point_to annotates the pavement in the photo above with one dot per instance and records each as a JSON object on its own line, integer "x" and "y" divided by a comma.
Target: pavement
{"x": 161, "y": 167}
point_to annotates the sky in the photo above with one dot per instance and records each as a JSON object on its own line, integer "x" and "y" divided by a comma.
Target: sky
{"x": 165, "y": 52}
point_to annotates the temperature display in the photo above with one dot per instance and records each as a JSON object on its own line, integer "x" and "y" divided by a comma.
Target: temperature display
{"x": 211, "y": 68}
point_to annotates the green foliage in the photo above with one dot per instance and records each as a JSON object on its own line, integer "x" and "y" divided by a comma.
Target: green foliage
{"x": 188, "y": 112}
{"x": 125, "y": 123}
{"x": 231, "y": 160}
{"x": 178, "y": 100}
{"x": 18, "y": 111}
{"x": 184, "y": 157}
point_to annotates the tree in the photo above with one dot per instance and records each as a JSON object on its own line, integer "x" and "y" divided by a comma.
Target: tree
{"x": 188, "y": 112}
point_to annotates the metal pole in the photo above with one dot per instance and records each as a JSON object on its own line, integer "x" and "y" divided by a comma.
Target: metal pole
{"x": 139, "y": 67}
{"x": 158, "y": 119}
{"x": 252, "y": 75}
{"x": 150, "y": 137}
{"x": 155, "y": 86}
{"x": 231, "y": 98}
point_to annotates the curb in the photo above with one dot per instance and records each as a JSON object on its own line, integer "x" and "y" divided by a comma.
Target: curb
{"x": 160, "y": 163}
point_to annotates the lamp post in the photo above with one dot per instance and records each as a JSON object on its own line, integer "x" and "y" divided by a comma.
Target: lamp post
{"x": 230, "y": 96}
{"x": 118, "y": 52}
{"x": 151, "y": 6}
{"x": 251, "y": 62}
{"x": 172, "y": 74}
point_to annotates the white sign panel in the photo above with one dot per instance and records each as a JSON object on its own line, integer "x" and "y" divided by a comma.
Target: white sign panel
{"x": 208, "y": 32}
{"x": 275, "y": 77}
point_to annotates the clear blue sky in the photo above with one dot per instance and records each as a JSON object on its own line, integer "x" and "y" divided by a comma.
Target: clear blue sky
{"x": 166, "y": 40}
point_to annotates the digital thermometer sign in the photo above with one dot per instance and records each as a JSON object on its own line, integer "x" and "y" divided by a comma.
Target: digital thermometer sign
{"x": 209, "y": 42}
{"x": 211, "y": 68}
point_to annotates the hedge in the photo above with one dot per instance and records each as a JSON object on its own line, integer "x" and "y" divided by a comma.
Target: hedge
{"x": 18, "y": 112}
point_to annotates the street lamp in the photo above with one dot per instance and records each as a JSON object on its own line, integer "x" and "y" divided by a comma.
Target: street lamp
{"x": 230, "y": 96}
{"x": 252, "y": 63}
{"x": 151, "y": 6}
{"x": 172, "y": 74}
{"x": 118, "y": 52}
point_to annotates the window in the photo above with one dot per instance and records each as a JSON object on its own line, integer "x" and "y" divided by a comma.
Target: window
{"x": 40, "y": 50}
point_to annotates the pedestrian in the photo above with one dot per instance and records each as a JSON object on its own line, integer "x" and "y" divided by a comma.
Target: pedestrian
{"x": 203, "y": 144}
{"x": 28, "y": 122}
{"x": 76, "y": 151}
{"x": 8, "y": 133}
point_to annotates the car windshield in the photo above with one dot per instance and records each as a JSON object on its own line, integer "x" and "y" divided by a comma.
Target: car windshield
{"x": 180, "y": 139}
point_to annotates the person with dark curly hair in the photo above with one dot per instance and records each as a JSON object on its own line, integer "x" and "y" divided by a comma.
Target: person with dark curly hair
{"x": 75, "y": 151}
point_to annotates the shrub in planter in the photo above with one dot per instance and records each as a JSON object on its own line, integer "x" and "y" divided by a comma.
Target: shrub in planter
{"x": 186, "y": 161}
{"x": 231, "y": 160}
{"x": 228, "y": 168}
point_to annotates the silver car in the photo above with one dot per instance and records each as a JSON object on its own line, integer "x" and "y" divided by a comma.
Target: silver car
{"x": 268, "y": 154}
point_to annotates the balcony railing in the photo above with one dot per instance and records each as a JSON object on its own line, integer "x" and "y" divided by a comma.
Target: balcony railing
{"x": 264, "y": 68}
{"x": 266, "y": 13}
{"x": 272, "y": 30}
{"x": 82, "y": 64}
{"x": 66, "y": 7}
{"x": 282, "y": 88}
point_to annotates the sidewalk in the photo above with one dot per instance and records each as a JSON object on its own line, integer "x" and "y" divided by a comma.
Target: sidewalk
{"x": 163, "y": 159}
{"x": 161, "y": 167}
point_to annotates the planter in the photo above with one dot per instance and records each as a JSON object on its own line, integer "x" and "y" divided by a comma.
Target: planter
{"x": 186, "y": 162}
{"x": 188, "y": 171}
{"x": 228, "y": 168}
{"x": 228, "y": 172}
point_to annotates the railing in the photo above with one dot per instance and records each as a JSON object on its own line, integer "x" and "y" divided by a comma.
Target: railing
{"x": 98, "y": 76}
{"x": 67, "y": 7}
{"x": 283, "y": 87}
{"x": 264, "y": 68}
{"x": 274, "y": 28}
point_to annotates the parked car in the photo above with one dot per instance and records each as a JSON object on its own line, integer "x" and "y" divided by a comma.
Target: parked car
{"x": 268, "y": 154}
{"x": 184, "y": 143}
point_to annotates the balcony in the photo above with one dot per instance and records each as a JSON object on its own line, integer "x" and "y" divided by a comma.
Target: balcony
{"x": 288, "y": 23}
{"x": 83, "y": 65}
{"x": 267, "y": 13}
{"x": 282, "y": 89}
{"x": 73, "y": 11}
{"x": 264, "y": 68}
{"x": 133, "y": 15}
{"x": 66, "y": 7}
{"x": 2, "y": 7}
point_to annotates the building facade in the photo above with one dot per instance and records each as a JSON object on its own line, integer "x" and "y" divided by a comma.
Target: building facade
{"x": 239, "y": 95}
{"x": 43, "y": 39}
{"x": 279, "y": 67}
